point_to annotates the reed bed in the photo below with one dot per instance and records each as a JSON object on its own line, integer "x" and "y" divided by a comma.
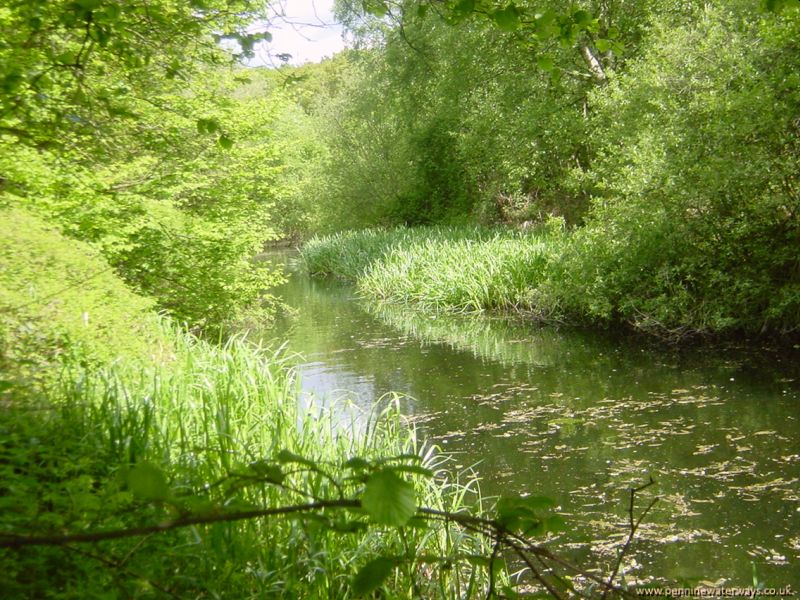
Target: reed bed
{"x": 452, "y": 269}
{"x": 209, "y": 415}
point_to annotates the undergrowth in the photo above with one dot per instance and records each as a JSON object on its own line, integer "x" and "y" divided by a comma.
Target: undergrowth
{"x": 113, "y": 418}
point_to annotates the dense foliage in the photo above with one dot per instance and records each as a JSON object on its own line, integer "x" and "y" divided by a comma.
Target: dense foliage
{"x": 666, "y": 136}
{"x": 648, "y": 151}
{"x": 122, "y": 124}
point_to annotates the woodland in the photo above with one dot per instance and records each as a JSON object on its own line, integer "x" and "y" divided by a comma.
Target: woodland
{"x": 611, "y": 164}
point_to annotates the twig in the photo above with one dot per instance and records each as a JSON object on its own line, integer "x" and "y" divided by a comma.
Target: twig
{"x": 634, "y": 525}
{"x": 8, "y": 540}
{"x": 492, "y": 558}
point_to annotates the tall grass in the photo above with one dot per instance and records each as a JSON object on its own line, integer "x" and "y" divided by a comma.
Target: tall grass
{"x": 456, "y": 269}
{"x": 203, "y": 421}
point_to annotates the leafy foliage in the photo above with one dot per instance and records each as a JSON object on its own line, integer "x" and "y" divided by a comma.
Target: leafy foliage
{"x": 67, "y": 66}
{"x": 59, "y": 298}
{"x": 695, "y": 222}
{"x": 666, "y": 138}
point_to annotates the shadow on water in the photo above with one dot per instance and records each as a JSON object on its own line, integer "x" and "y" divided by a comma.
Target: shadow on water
{"x": 580, "y": 417}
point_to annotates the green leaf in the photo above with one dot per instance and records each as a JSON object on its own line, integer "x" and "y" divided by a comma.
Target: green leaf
{"x": 603, "y": 45}
{"x": 581, "y": 17}
{"x": 272, "y": 473}
{"x": 545, "y": 63}
{"x": 207, "y": 125}
{"x": 375, "y": 7}
{"x": 225, "y": 142}
{"x": 464, "y": 7}
{"x": 372, "y": 575}
{"x": 422, "y": 10}
{"x": 522, "y": 514}
{"x": 357, "y": 464}
{"x": 88, "y": 4}
{"x": 409, "y": 456}
{"x": 507, "y": 18}
{"x": 285, "y": 456}
{"x": 348, "y": 526}
{"x": 555, "y": 523}
{"x": 148, "y": 482}
{"x": 388, "y": 499}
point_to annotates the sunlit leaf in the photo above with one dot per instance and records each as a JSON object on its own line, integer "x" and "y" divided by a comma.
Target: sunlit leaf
{"x": 388, "y": 499}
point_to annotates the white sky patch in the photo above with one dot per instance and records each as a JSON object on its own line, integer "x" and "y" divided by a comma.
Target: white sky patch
{"x": 304, "y": 29}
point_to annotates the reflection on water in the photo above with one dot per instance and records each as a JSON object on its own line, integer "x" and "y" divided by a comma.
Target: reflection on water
{"x": 581, "y": 417}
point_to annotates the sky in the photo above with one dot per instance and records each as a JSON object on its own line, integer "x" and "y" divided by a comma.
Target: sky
{"x": 306, "y": 30}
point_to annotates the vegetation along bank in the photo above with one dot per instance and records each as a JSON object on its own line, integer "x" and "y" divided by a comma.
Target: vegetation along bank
{"x": 604, "y": 162}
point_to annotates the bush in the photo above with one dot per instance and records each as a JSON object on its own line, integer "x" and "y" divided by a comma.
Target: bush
{"x": 60, "y": 298}
{"x": 696, "y": 224}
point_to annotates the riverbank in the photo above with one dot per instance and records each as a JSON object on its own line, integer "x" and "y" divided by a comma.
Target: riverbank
{"x": 115, "y": 420}
{"x": 582, "y": 276}
{"x": 580, "y": 415}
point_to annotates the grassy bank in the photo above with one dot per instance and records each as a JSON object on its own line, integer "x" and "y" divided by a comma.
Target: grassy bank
{"x": 115, "y": 420}
{"x": 600, "y": 274}
{"x": 456, "y": 269}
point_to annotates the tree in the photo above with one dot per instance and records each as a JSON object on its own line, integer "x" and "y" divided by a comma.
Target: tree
{"x": 66, "y": 66}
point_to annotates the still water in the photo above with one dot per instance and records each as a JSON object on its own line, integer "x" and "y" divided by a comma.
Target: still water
{"x": 581, "y": 417}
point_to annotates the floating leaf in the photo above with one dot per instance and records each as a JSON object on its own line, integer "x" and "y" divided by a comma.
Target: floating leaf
{"x": 388, "y": 499}
{"x": 372, "y": 575}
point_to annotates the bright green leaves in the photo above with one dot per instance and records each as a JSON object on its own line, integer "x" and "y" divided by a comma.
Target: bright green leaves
{"x": 525, "y": 515}
{"x": 372, "y": 575}
{"x": 388, "y": 499}
{"x": 148, "y": 482}
{"x": 377, "y": 8}
{"x": 508, "y": 18}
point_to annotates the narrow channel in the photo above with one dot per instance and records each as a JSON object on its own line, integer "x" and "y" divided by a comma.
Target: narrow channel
{"x": 581, "y": 417}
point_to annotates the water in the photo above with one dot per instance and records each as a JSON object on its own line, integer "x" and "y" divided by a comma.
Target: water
{"x": 581, "y": 417}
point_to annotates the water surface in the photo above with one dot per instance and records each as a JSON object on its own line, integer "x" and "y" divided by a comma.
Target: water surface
{"x": 581, "y": 417}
